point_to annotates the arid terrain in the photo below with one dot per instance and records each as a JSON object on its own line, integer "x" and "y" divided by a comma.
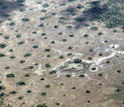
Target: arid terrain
{"x": 61, "y": 53}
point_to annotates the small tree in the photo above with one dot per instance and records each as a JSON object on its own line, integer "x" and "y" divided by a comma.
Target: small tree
{"x": 48, "y": 65}
{"x": 77, "y": 60}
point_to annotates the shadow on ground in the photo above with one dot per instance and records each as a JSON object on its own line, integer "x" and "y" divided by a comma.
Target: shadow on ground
{"x": 6, "y": 7}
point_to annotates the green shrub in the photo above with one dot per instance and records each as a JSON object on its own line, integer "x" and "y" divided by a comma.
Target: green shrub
{"x": 77, "y": 60}
{"x": 45, "y": 5}
{"x": 114, "y": 30}
{"x": 20, "y": 43}
{"x": 1, "y": 33}
{"x": 70, "y": 47}
{"x": 43, "y": 10}
{"x": 42, "y": 105}
{"x": 39, "y": 2}
{"x": 86, "y": 35}
{"x": 22, "y": 10}
{"x": 90, "y": 58}
{"x": 48, "y": 56}
{"x": 5, "y": 15}
{"x": 36, "y": 64}
{"x": 100, "y": 33}
{"x": 7, "y": 67}
{"x": 42, "y": 79}
{"x": 6, "y": 37}
{"x": 2, "y": 88}
{"x": 54, "y": 13}
{"x": 107, "y": 61}
{"x": 88, "y": 91}
{"x": 4, "y": 7}
{"x": 0, "y": 81}
{"x": 71, "y": 35}
{"x": 12, "y": 57}
{"x": 79, "y": 6}
{"x": 60, "y": 33}
{"x": 20, "y": 98}
{"x": 43, "y": 34}
{"x": 22, "y": 61}
{"x": 69, "y": 54}
{"x": 27, "y": 54}
{"x": 11, "y": 50}
{"x": 69, "y": 26}
{"x": 71, "y": 0}
{"x": 56, "y": 26}
{"x": 58, "y": 103}
{"x": 68, "y": 75}
{"x": 34, "y": 32}
{"x": 93, "y": 68}
{"x": 94, "y": 28}
{"x": 100, "y": 74}
{"x": 48, "y": 65}
{"x": 53, "y": 42}
{"x": 20, "y": 0}
{"x": 100, "y": 54}
{"x": 53, "y": 72}
{"x": 42, "y": 18}
{"x": 47, "y": 50}
{"x": 91, "y": 50}
{"x": 3, "y": 45}
{"x": 118, "y": 71}
{"x": 43, "y": 93}
{"x": 62, "y": 84}
{"x": 62, "y": 4}
{"x": 20, "y": 83}
{"x": 86, "y": 42}
{"x": 73, "y": 87}
{"x": 35, "y": 46}
{"x": 29, "y": 91}
{"x": 64, "y": 40}
{"x": 30, "y": 67}
{"x": 47, "y": 86}
{"x": 81, "y": 75}
{"x": 13, "y": 92}
{"x": 12, "y": 23}
{"x": 41, "y": 25}
{"x": 18, "y": 36}
{"x": 61, "y": 56}
{"x": 10, "y": 75}
{"x": 2, "y": 55}
{"x": 27, "y": 75}
{"x": 25, "y": 19}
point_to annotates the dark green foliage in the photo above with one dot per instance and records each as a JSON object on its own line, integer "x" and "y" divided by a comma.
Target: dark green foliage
{"x": 64, "y": 40}
{"x": 94, "y": 28}
{"x": 47, "y": 50}
{"x": 45, "y": 5}
{"x": 1, "y": 3}
{"x": 107, "y": 61}
{"x": 43, "y": 10}
{"x": 68, "y": 75}
{"x": 62, "y": 4}
{"x": 88, "y": 91}
{"x": 1, "y": 33}
{"x": 20, "y": 98}
{"x": 27, "y": 54}
{"x": 45, "y": 37}
{"x": 69, "y": 54}
{"x": 71, "y": 0}
{"x": 82, "y": 75}
{"x": 100, "y": 54}
{"x": 39, "y": 2}
{"x": 29, "y": 91}
{"x": 34, "y": 32}
{"x": 2, "y": 55}
{"x": 1, "y": 95}
{"x": 12, "y": 57}
{"x": 61, "y": 56}
{"x": 18, "y": 36}
{"x": 89, "y": 101}
{"x": 89, "y": 58}
{"x": 114, "y": 30}
{"x": 20, "y": 43}
{"x": 25, "y": 19}
{"x": 100, "y": 33}
{"x": 73, "y": 87}
{"x": 35, "y": 46}
{"x": 43, "y": 34}
{"x": 22, "y": 61}
{"x": 12, "y": 23}
{"x": 100, "y": 83}
{"x": 70, "y": 47}
{"x": 71, "y": 35}
{"x": 6, "y": 37}
{"x": 53, "y": 72}
{"x": 80, "y": 19}
{"x": 41, "y": 25}
{"x": 21, "y": 83}
{"x": 56, "y": 26}
{"x": 10, "y": 75}
{"x": 93, "y": 68}
{"x": 3, "y": 45}
{"x": 42, "y": 18}
{"x": 62, "y": 84}
{"x": 13, "y": 92}
{"x": 11, "y": 50}
{"x": 20, "y": 0}
{"x": 42, "y": 79}
{"x": 27, "y": 75}
{"x": 86, "y": 42}
{"x": 118, "y": 71}
{"x": 0, "y": 81}
{"x": 77, "y": 60}
{"x": 21, "y": 10}
{"x": 47, "y": 65}
{"x": 47, "y": 86}
{"x": 60, "y": 33}
{"x": 30, "y": 67}
{"x": 7, "y": 67}
{"x": 4, "y": 7}
{"x": 43, "y": 93}
{"x": 100, "y": 74}
{"x": 36, "y": 64}
{"x": 54, "y": 13}
{"x": 69, "y": 26}
{"x": 5, "y": 15}
{"x": 58, "y": 103}
{"x": 79, "y": 6}
{"x": 86, "y": 35}
{"x": 42, "y": 105}
{"x": 48, "y": 56}
{"x": 53, "y": 42}
{"x": 91, "y": 50}
{"x": 2, "y": 88}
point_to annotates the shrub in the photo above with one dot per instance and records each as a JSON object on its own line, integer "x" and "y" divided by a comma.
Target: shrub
{"x": 43, "y": 93}
{"x": 43, "y": 34}
{"x": 60, "y": 33}
{"x": 107, "y": 61}
{"x": 89, "y": 58}
{"x": 86, "y": 35}
{"x": 2, "y": 55}
{"x": 42, "y": 105}
{"x": 79, "y": 6}
{"x": 18, "y": 36}
{"x": 11, "y": 50}
{"x": 27, "y": 54}
{"x": 71, "y": 0}
{"x": 53, "y": 42}
{"x": 39, "y": 2}
{"x": 42, "y": 18}
{"x": 6, "y": 37}
{"x": 48, "y": 56}
{"x": 42, "y": 79}
{"x": 89, "y": 101}
{"x": 119, "y": 71}
{"x": 45, "y": 5}
{"x": 1, "y": 33}
{"x": 27, "y": 75}
{"x": 73, "y": 87}
{"x": 7, "y": 67}
{"x": 43, "y": 10}
{"x": 20, "y": 0}
{"x": 91, "y": 50}
{"x": 20, "y": 98}
{"x": 4, "y": 7}
{"x": 100, "y": 54}
{"x": 71, "y": 35}
{"x": 106, "y": 41}
{"x": 100, "y": 33}
{"x": 62, "y": 4}
{"x": 41, "y": 25}
{"x": 114, "y": 30}
{"x": 36, "y": 64}
{"x": 86, "y": 42}
{"x": 47, "y": 86}
{"x": 12, "y": 23}
{"x": 69, "y": 26}
{"x": 0, "y": 81}
{"x": 30, "y": 67}
{"x": 58, "y": 103}
{"x": 53, "y": 72}
{"x": 62, "y": 56}
{"x": 13, "y": 92}
{"x": 20, "y": 43}
{"x": 82, "y": 75}
{"x": 34, "y": 32}
{"x": 21, "y": 10}
{"x": 70, "y": 47}
{"x": 25, "y": 19}
{"x": 87, "y": 25}
{"x": 47, "y": 50}
{"x": 69, "y": 54}
{"x": 10, "y": 75}
{"x": 20, "y": 83}
{"x": 3, "y": 45}
{"x": 35, "y": 46}
{"x": 94, "y": 28}
{"x": 100, "y": 74}
{"x": 100, "y": 83}
{"x": 88, "y": 91}
{"x": 62, "y": 84}
{"x": 2, "y": 88}
{"x": 56, "y": 26}
{"x": 93, "y": 68}
{"x": 68, "y": 75}
{"x": 22, "y": 61}
{"x": 54, "y": 13}
{"x": 12, "y": 57}
{"x": 77, "y": 60}
{"x": 29, "y": 91}
{"x": 64, "y": 40}
{"x": 48, "y": 65}
{"x": 45, "y": 37}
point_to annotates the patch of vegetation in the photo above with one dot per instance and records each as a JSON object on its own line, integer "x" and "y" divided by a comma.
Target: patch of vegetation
{"x": 43, "y": 93}
{"x": 20, "y": 0}
{"x": 48, "y": 65}
{"x": 29, "y": 91}
{"x": 53, "y": 72}
{"x": 2, "y": 88}
{"x": 20, "y": 83}
{"x": 6, "y": 37}
{"x": 93, "y": 68}
{"x": 34, "y": 32}
{"x": 46, "y": 5}
{"x": 64, "y": 40}
{"x": 2, "y": 55}
{"x": 53, "y": 42}
{"x": 118, "y": 71}
{"x": 22, "y": 61}
{"x": 47, "y": 50}
{"x": 86, "y": 35}
{"x": 41, "y": 25}
{"x": 42, "y": 105}
{"x": 100, "y": 74}
{"x": 56, "y": 26}
{"x": 48, "y": 56}
{"x": 81, "y": 75}
{"x": 88, "y": 91}
{"x": 47, "y": 86}
{"x": 3, "y": 45}
{"x": 25, "y": 19}
{"x": 27, "y": 54}
{"x": 10, "y": 75}
{"x": 77, "y": 60}
{"x": 43, "y": 10}
{"x": 61, "y": 56}
{"x": 43, "y": 34}
{"x": 18, "y": 35}
{"x": 58, "y": 103}
{"x": 42, "y": 79}
{"x": 13, "y": 92}
{"x": 100, "y": 54}
{"x": 27, "y": 75}
{"x": 69, "y": 26}
{"x": 62, "y": 4}
{"x": 69, "y": 54}
{"x": 35, "y": 46}
{"x": 94, "y": 28}
{"x": 20, "y": 43}
{"x": 36, "y": 64}
{"x": 73, "y": 87}
{"x": 68, "y": 75}
{"x": 20, "y": 97}
{"x": 12, "y": 57}
{"x": 7, "y": 67}
{"x": 42, "y": 18}
{"x": 70, "y": 47}
{"x": 30, "y": 67}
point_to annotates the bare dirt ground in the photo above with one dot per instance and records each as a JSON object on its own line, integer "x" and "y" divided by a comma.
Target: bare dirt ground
{"x": 101, "y": 87}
